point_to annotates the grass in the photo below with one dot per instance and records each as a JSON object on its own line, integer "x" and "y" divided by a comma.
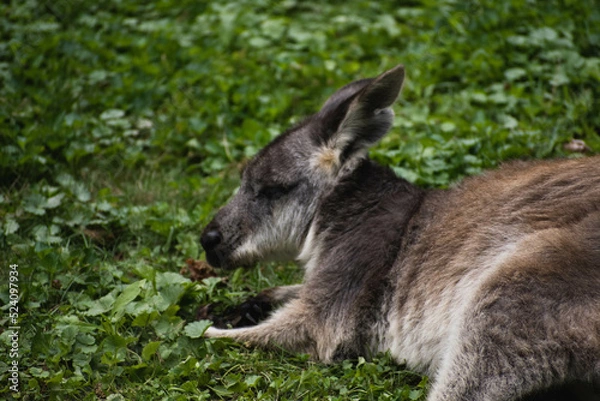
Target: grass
{"x": 123, "y": 126}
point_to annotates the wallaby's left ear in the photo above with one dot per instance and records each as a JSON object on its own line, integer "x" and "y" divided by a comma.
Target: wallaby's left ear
{"x": 365, "y": 120}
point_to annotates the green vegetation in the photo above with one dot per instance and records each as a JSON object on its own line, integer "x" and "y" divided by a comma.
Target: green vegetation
{"x": 123, "y": 125}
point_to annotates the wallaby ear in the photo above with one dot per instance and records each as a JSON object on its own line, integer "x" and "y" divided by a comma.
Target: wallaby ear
{"x": 356, "y": 117}
{"x": 340, "y": 100}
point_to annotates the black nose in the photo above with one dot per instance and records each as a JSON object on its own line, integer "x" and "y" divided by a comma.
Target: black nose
{"x": 210, "y": 240}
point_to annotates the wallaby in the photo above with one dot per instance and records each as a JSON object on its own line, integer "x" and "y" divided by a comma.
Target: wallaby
{"x": 492, "y": 287}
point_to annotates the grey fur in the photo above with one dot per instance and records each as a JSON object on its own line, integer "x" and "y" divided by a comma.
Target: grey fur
{"x": 492, "y": 287}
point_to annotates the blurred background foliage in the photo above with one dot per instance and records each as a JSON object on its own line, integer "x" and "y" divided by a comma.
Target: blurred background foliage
{"x": 123, "y": 124}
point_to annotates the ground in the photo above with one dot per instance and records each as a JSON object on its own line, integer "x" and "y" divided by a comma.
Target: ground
{"x": 123, "y": 127}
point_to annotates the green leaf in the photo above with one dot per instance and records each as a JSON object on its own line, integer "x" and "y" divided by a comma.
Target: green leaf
{"x": 112, "y": 114}
{"x": 54, "y": 201}
{"x": 76, "y": 188}
{"x": 170, "y": 278}
{"x": 559, "y": 78}
{"x": 509, "y": 122}
{"x": 150, "y": 350}
{"x": 102, "y": 305}
{"x": 10, "y": 226}
{"x": 252, "y": 380}
{"x": 448, "y": 126}
{"x": 545, "y": 34}
{"x": 415, "y": 394}
{"x": 127, "y": 296}
{"x": 512, "y": 74}
{"x": 407, "y": 174}
{"x": 197, "y": 329}
{"x": 47, "y": 235}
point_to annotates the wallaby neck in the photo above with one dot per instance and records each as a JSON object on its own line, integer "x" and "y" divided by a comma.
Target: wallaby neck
{"x": 370, "y": 192}
{"x": 359, "y": 232}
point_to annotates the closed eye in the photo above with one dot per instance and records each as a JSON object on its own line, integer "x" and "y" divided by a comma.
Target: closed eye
{"x": 274, "y": 192}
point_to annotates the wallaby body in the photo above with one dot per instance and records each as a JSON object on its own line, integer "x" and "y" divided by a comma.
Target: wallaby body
{"x": 492, "y": 287}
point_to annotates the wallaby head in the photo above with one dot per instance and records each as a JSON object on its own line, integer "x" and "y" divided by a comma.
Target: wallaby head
{"x": 270, "y": 215}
